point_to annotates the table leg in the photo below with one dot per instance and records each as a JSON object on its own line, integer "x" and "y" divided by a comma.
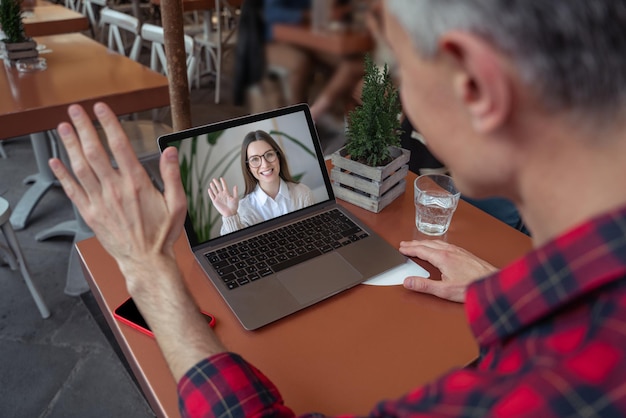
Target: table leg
{"x": 76, "y": 227}
{"x": 75, "y": 283}
{"x": 43, "y": 180}
{"x": 206, "y": 29}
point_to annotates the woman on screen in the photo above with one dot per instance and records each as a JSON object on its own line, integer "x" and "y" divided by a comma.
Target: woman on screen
{"x": 270, "y": 189}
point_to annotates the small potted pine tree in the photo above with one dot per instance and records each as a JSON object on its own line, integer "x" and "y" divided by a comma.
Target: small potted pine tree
{"x": 369, "y": 171}
{"x": 15, "y": 43}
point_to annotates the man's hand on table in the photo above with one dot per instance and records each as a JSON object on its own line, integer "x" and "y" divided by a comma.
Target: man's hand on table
{"x": 458, "y": 268}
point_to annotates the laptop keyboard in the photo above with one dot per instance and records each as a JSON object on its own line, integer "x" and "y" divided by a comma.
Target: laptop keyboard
{"x": 246, "y": 261}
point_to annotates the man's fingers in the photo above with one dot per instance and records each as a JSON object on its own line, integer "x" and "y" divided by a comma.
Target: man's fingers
{"x": 73, "y": 191}
{"x": 173, "y": 192}
{"x": 420, "y": 284}
{"x": 118, "y": 144}
{"x": 90, "y": 146}
{"x": 434, "y": 287}
{"x": 425, "y": 252}
{"x": 434, "y": 243}
{"x": 80, "y": 166}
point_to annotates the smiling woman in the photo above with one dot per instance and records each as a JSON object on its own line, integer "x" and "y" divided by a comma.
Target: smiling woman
{"x": 270, "y": 190}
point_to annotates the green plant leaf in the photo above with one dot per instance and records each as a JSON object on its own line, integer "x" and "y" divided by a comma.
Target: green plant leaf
{"x": 11, "y": 21}
{"x": 374, "y": 125}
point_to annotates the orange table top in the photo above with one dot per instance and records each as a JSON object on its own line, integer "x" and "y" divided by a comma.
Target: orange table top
{"x": 339, "y": 43}
{"x": 80, "y": 70}
{"x": 53, "y": 19}
{"x": 341, "y": 355}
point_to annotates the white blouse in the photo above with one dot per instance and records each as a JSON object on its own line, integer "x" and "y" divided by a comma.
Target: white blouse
{"x": 257, "y": 206}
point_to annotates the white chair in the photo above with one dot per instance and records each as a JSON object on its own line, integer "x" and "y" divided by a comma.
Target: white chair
{"x": 158, "y": 61}
{"x": 116, "y": 26}
{"x": 91, "y": 9}
{"x": 139, "y": 9}
{"x": 73, "y": 4}
{"x": 12, "y": 253}
{"x": 219, "y": 38}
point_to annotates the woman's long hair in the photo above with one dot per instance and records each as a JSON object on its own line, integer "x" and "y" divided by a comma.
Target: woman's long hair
{"x": 249, "y": 179}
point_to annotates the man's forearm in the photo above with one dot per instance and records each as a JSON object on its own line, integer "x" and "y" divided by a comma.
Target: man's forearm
{"x": 172, "y": 314}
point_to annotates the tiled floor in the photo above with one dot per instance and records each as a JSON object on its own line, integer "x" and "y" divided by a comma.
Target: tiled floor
{"x": 64, "y": 366}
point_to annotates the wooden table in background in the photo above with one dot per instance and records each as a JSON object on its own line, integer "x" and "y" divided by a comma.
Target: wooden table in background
{"x": 27, "y": 5}
{"x": 53, "y": 19}
{"x": 343, "y": 354}
{"x": 80, "y": 70}
{"x": 338, "y": 43}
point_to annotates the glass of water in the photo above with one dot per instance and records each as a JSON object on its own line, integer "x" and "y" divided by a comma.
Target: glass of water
{"x": 436, "y": 199}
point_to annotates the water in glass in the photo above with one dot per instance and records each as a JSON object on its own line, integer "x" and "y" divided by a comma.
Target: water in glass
{"x": 434, "y": 212}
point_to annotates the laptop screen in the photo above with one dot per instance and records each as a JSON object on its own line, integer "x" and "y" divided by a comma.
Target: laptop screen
{"x": 215, "y": 152}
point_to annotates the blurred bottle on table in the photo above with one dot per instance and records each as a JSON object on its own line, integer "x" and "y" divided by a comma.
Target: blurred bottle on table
{"x": 359, "y": 8}
{"x": 320, "y": 15}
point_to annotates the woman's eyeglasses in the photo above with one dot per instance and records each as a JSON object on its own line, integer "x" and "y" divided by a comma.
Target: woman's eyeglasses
{"x": 255, "y": 160}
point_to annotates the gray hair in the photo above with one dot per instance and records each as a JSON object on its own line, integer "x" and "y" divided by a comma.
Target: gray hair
{"x": 572, "y": 53}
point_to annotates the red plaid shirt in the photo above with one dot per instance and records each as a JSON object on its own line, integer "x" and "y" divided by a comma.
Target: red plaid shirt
{"x": 552, "y": 334}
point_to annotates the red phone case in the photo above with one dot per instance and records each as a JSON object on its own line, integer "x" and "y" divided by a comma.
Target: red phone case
{"x": 133, "y": 325}
{"x": 128, "y": 314}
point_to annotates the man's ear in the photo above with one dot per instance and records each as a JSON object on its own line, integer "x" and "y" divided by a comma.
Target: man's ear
{"x": 480, "y": 79}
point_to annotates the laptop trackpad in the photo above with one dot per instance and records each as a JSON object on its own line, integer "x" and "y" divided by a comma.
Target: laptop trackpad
{"x": 306, "y": 284}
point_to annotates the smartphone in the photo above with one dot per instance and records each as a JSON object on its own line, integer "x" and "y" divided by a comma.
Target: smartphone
{"x": 128, "y": 314}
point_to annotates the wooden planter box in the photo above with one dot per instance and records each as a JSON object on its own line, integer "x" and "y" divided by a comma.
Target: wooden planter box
{"x": 371, "y": 188}
{"x": 20, "y": 50}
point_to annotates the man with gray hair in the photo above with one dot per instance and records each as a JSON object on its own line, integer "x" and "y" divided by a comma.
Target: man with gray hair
{"x": 524, "y": 99}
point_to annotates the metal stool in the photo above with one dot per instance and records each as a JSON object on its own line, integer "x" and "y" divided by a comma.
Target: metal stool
{"x": 13, "y": 255}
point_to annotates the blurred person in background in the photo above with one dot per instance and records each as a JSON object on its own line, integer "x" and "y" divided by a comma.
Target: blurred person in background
{"x": 294, "y": 65}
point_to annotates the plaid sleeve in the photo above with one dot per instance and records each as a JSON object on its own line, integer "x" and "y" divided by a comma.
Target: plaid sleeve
{"x": 226, "y": 385}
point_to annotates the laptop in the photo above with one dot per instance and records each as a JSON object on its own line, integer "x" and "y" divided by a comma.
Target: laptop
{"x": 271, "y": 269}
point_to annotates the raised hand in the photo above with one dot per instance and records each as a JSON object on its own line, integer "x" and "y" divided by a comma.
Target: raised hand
{"x": 226, "y": 203}
{"x": 458, "y": 268}
{"x": 131, "y": 218}
{"x": 138, "y": 226}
